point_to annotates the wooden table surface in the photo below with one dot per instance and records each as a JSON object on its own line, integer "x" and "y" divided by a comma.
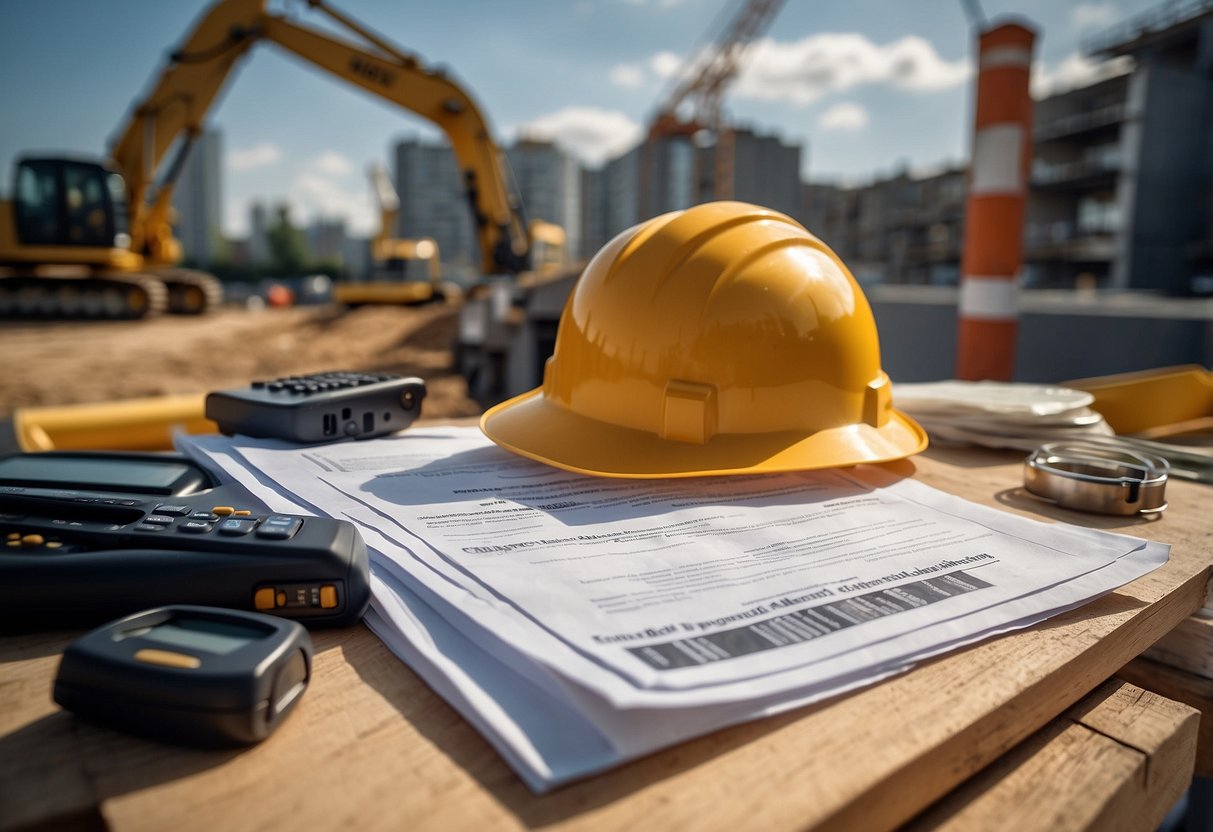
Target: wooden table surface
{"x": 371, "y": 747}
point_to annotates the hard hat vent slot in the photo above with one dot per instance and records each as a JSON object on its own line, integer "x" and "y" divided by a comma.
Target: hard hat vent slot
{"x": 689, "y": 412}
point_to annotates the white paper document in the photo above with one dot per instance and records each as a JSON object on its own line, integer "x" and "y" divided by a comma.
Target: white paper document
{"x": 636, "y": 613}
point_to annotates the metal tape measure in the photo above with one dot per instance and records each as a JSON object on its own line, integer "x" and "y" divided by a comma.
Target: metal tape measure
{"x": 1097, "y": 479}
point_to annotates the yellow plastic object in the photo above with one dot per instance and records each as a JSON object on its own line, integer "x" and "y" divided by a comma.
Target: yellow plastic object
{"x": 1151, "y": 399}
{"x": 131, "y": 425}
{"x": 723, "y": 339}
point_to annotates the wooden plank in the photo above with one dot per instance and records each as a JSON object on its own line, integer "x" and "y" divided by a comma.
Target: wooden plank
{"x": 1116, "y": 762}
{"x": 1188, "y": 688}
{"x": 1188, "y": 647}
{"x": 371, "y": 746}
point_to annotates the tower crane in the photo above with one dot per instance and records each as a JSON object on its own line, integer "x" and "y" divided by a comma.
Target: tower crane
{"x": 694, "y": 102}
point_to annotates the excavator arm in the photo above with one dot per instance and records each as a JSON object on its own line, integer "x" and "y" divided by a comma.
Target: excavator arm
{"x": 186, "y": 89}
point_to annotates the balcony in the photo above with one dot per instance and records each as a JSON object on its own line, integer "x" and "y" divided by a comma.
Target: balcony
{"x": 1079, "y": 124}
{"x": 1095, "y": 169}
{"x": 1068, "y": 242}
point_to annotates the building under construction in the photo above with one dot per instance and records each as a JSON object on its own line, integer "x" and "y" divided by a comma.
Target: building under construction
{"x": 1121, "y": 190}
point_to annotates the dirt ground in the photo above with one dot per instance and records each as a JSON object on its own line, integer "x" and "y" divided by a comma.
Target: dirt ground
{"x": 71, "y": 362}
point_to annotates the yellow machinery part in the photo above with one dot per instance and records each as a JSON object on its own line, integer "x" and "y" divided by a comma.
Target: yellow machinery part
{"x": 408, "y": 294}
{"x": 130, "y": 425}
{"x": 1151, "y": 399}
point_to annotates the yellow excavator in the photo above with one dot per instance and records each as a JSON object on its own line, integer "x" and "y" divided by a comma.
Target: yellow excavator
{"x": 404, "y": 272}
{"x": 94, "y": 239}
{"x": 123, "y": 220}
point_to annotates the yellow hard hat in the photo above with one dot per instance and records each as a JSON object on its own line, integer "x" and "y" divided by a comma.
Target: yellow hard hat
{"x": 723, "y": 339}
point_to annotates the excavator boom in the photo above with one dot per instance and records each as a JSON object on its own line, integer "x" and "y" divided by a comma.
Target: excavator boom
{"x": 175, "y": 109}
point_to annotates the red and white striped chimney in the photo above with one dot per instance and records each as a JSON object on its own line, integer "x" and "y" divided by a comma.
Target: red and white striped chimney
{"x": 994, "y": 213}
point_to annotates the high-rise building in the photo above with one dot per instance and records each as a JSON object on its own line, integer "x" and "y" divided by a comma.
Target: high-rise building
{"x": 326, "y": 240}
{"x": 901, "y": 229}
{"x": 594, "y": 231}
{"x": 356, "y": 258}
{"x": 669, "y": 175}
{"x": 621, "y": 191}
{"x": 198, "y": 200}
{"x": 549, "y": 185}
{"x": 258, "y": 241}
{"x": 760, "y": 169}
{"x": 676, "y": 172}
{"x": 433, "y": 204}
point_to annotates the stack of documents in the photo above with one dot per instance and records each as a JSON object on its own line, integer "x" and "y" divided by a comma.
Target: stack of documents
{"x": 1001, "y": 414}
{"x": 579, "y": 622}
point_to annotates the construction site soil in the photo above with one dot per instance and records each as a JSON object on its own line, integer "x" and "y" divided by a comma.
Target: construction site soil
{"x": 53, "y": 363}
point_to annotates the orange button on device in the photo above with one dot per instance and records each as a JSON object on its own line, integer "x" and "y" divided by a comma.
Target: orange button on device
{"x": 328, "y": 596}
{"x": 242, "y": 512}
{"x": 222, "y": 511}
{"x": 167, "y": 658}
{"x": 33, "y": 540}
{"x": 263, "y": 599}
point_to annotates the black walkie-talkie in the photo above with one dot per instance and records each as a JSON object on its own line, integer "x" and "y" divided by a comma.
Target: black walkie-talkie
{"x": 324, "y": 407}
{"x": 86, "y": 537}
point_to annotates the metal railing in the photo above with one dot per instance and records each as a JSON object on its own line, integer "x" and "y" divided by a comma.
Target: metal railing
{"x": 1157, "y": 19}
{"x": 1072, "y": 123}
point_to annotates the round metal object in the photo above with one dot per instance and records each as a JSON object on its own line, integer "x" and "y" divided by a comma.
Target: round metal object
{"x": 1097, "y": 479}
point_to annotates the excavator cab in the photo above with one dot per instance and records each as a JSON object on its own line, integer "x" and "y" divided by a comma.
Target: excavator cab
{"x": 69, "y": 202}
{"x": 65, "y": 245}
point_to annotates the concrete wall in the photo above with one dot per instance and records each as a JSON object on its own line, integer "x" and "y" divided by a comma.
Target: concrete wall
{"x": 1061, "y": 336}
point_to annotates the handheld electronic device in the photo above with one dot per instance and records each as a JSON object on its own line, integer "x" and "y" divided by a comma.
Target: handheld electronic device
{"x": 194, "y": 675}
{"x": 91, "y": 536}
{"x": 319, "y": 408}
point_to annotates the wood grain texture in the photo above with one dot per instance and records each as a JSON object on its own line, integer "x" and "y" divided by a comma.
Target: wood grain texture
{"x": 1188, "y": 647}
{"x": 1116, "y": 762}
{"x": 1188, "y": 688}
{"x": 370, "y": 745}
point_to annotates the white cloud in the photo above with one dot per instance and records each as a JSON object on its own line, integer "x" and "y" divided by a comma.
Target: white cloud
{"x": 314, "y": 196}
{"x": 1094, "y": 15}
{"x": 590, "y": 133}
{"x": 328, "y": 187}
{"x": 659, "y": 67}
{"x": 257, "y": 156}
{"x": 1075, "y": 71}
{"x": 629, "y": 76}
{"x": 805, "y": 70}
{"x": 664, "y": 64}
{"x": 845, "y": 116}
{"x": 332, "y": 162}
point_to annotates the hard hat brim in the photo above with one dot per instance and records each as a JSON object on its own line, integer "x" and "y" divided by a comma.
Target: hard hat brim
{"x": 533, "y": 427}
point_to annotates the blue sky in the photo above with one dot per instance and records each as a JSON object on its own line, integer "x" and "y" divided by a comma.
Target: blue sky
{"x": 865, "y": 85}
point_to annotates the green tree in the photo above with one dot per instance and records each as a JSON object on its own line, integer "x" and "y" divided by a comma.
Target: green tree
{"x": 288, "y": 248}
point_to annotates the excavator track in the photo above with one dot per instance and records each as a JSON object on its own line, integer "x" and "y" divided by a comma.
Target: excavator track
{"x": 190, "y": 292}
{"x": 111, "y": 297}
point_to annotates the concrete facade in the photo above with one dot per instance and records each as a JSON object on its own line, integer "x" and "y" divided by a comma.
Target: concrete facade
{"x": 1165, "y": 147}
{"x": 326, "y": 240}
{"x": 549, "y": 184}
{"x": 904, "y": 229}
{"x": 198, "y": 200}
{"x": 1063, "y": 335}
{"x": 432, "y": 202}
